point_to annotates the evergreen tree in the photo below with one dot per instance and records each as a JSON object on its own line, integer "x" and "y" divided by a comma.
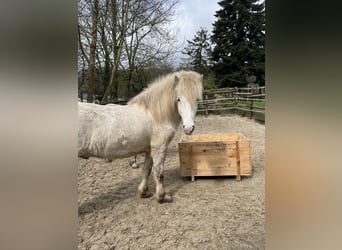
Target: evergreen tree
{"x": 198, "y": 51}
{"x": 239, "y": 42}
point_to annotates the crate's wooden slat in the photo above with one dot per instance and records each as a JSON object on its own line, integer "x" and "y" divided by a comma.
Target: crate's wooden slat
{"x": 214, "y": 172}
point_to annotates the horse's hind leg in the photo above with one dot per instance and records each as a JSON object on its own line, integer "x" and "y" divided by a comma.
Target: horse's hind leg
{"x": 146, "y": 171}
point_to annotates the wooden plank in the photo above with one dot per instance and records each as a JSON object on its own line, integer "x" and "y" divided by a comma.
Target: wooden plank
{"x": 224, "y": 91}
{"x": 217, "y": 104}
{"x": 208, "y": 101}
{"x": 242, "y": 93}
{"x": 238, "y": 169}
{"x": 256, "y": 111}
{"x": 250, "y": 99}
{"x": 231, "y": 168}
{"x": 192, "y": 169}
{"x": 216, "y": 109}
{"x": 258, "y": 95}
{"x": 257, "y": 107}
{"x": 211, "y": 137}
{"x": 214, "y": 172}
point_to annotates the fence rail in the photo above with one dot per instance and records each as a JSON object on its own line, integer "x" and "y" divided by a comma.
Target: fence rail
{"x": 245, "y": 101}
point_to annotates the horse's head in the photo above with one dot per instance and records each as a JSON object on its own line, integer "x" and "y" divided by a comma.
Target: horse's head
{"x": 189, "y": 92}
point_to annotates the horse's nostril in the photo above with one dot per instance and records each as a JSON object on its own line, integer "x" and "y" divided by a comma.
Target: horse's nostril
{"x": 183, "y": 126}
{"x": 192, "y": 128}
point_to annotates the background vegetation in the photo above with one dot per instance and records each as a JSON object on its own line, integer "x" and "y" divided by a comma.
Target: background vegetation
{"x": 125, "y": 44}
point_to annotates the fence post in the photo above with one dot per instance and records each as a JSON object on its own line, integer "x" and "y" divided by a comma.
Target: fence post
{"x": 236, "y": 99}
{"x": 251, "y": 109}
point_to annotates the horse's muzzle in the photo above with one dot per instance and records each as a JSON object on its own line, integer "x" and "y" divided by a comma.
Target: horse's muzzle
{"x": 188, "y": 131}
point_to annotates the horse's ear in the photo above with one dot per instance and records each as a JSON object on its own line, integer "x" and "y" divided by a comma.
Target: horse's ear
{"x": 176, "y": 79}
{"x": 201, "y": 77}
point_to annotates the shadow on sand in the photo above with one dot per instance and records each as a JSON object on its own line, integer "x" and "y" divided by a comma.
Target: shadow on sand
{"x": 125, "y": 190}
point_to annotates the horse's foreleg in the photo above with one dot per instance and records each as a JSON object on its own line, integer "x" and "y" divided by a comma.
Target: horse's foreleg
{"x": 146, "y": 171}
{"x": 158, "y": 175}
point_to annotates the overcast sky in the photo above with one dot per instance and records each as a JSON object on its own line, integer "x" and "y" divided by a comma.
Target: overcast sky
{"x": 191, "y": 15}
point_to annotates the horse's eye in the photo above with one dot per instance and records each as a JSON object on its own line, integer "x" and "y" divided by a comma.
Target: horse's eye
{"x": 178, "y": 99}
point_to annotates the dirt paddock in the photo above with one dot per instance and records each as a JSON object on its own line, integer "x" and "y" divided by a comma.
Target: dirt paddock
{"x": 210, "y": 213}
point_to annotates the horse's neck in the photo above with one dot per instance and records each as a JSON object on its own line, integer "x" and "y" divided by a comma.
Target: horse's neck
{"x": 176, "y": 119}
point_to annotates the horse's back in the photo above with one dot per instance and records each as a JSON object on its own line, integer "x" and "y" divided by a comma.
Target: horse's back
{"x": 112, "y": 131}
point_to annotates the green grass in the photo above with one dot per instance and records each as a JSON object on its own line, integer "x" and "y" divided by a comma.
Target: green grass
{"x": 242, "y": 104}
{"x": 259, "y": 103}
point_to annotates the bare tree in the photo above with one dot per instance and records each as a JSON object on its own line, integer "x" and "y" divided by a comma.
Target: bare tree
{"x": 148, "y": 41}
{"x": 131, "y": 35}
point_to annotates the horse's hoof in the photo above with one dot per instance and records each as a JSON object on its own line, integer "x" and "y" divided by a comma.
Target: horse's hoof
{"x": 145, "y": 194}
{"x": 134, "y": 165}
{"x": 164, "y": 198}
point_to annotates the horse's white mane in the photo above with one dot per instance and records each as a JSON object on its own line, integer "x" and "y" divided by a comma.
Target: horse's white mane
{"x": 160, "y": 97}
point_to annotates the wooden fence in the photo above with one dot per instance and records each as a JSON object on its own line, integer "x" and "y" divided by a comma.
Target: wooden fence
{"x": 244, "y": 101}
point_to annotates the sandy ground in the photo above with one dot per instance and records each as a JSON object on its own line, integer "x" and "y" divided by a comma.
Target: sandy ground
{"x": 210, "y": 213}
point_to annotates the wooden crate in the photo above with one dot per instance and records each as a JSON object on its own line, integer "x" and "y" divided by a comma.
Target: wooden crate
{"x": 215, "y": 155}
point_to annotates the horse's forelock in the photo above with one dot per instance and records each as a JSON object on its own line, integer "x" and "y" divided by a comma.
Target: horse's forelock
{"x": 190, "y": 85}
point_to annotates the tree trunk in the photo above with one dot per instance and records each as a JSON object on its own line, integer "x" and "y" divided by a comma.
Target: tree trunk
{"x": 91, "y": 66}
{"x": 109, "y": 86}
